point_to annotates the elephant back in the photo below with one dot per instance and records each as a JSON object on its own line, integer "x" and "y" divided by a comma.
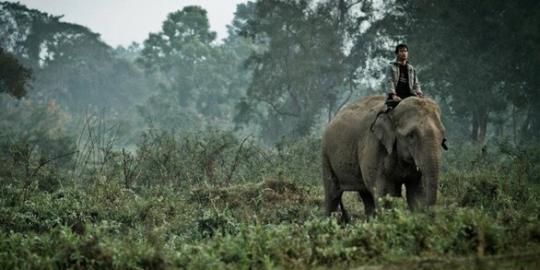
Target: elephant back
{"x": 352, "y": 122}
{"x": 427, "y": 105}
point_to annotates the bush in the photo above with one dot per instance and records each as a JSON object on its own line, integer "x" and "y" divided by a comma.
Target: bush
{"x": 33, "y": 145}
{"x": 173, "y": 203}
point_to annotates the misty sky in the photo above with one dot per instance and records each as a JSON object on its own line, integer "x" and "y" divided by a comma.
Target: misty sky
{"x": 121, "y": 22}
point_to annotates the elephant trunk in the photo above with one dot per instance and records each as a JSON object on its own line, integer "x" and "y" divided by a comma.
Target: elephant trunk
{"x": 430, "y": 182}
{"x": 430, "y": 167}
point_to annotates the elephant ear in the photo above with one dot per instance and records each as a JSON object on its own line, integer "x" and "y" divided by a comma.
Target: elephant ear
{"x": 384, "y": 131}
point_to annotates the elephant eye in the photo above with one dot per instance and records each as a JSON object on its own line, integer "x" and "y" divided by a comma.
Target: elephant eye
{"x": 412, "y": 134}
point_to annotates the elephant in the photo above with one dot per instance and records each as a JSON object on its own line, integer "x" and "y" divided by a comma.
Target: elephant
{"x": 376, "y": 152}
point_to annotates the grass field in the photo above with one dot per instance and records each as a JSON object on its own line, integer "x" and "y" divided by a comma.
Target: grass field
{"x": 213, "y": 201}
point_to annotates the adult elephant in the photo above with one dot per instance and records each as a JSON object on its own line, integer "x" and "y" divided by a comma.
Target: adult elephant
{"x": 376, "y": 153}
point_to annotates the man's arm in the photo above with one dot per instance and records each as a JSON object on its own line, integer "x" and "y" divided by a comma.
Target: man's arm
{"x": 389, "y": 81}
{"x": 416, "y": 85}
{"x": 391, "y": 85}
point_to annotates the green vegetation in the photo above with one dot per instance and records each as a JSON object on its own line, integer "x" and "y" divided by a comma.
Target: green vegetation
{"x": 211, "y": 200}
{"x": 188, "y": 152}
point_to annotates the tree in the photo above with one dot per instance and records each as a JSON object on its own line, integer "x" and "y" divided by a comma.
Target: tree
{"x": 303, "y": 67}
{"x": 70, "y": 63}
{"x": 198, "y": 80}
{"x": 468, "y": 56}
{"x": 71, "y": 66}
{"x": 13, "y": 76}
{"x": 521, "y": 62}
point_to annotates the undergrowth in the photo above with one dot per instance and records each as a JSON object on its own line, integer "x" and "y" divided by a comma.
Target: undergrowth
{"x": 215, "y": 201}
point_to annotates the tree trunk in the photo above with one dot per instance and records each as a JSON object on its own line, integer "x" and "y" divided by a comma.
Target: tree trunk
{"x": 531, "y": 125}
{"x": 482, "y": 126}
{"x": 514, "y": 124}
{"x": 474, "y": 134}
{"x": 479, "y": 125}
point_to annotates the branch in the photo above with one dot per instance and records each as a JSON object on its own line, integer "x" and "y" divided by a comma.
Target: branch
{"x": 235, "y": 163}
{"x": 43, "y": 163}
{"x": 354, "y": 3}
{"x": 279, "y": 111}
{"x": 347, "y": 99}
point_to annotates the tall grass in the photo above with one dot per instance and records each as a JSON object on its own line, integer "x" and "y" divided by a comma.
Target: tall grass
{"x": 211, "y": 200}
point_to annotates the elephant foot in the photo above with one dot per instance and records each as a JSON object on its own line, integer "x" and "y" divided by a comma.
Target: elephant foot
{"x": 369, "y": 203}
{"x": 345, "y": 218}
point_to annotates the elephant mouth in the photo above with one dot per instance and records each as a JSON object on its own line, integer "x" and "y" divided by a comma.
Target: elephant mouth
{"x": 408, "y": 168}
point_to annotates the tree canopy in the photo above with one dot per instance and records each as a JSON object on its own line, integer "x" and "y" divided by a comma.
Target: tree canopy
{"x": 468, "y": 57}
{"x": 287, "y": 66}
{"x": 304, "y": 69}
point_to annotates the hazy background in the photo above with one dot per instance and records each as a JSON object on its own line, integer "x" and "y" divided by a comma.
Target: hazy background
{"x": 121, "y": 22}
{"x": 270, "y": 69}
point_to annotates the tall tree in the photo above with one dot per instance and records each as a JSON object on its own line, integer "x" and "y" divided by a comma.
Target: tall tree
{"x": 198, "y": 79}
{"x": 520, "y": 59}
{"x": 303, "y": 67}
{"x": 468, "y": 56}
{"x": 70, "y": 64}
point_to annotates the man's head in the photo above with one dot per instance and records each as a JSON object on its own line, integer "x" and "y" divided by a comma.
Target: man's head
{"x": 402, "y": 52}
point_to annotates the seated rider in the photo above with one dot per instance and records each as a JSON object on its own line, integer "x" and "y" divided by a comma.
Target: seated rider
{"x": 401, "y": 78}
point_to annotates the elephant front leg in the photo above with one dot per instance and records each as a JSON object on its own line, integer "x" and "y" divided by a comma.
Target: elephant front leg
{"x": 415, "y": 193}
{"x": 333, "y": 202}
{"x": 377, "y": 179}
{"x": 368, "y": 201}
{"x": 386, "y": 186}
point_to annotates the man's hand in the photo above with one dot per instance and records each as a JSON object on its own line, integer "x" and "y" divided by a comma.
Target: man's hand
{"x": 419, "y": 94}
{"x": 396, "y": 98}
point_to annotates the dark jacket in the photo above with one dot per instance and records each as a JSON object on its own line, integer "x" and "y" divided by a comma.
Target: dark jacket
{"x": 392, "y": 77}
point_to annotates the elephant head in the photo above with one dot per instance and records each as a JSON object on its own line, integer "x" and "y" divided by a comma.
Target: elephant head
{"x": 414, "y": 132}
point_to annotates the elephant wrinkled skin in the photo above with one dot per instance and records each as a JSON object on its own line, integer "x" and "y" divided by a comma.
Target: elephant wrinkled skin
{"x": 377, "y": 155}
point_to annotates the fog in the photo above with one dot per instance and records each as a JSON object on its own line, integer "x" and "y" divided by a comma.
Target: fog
{"x": 122, "y": 22}
{"x": 178, "y": 77}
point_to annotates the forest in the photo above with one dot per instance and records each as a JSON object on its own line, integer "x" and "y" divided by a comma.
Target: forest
{"x": 189, "y": 152}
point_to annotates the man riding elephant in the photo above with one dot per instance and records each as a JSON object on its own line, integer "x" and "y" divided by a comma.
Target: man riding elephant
{"x": 401, "y": 77}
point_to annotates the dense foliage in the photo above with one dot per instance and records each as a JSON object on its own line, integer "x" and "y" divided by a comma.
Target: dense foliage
{"x": 211, "y": 200}
{"x": 476, "y": 56}
{"x": 286, "y": 68}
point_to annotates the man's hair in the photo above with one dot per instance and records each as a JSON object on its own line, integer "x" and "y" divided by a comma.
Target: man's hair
{"x": 401, "y": 46}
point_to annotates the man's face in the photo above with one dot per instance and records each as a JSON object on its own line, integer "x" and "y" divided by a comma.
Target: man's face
{"x": 403, "y": 54}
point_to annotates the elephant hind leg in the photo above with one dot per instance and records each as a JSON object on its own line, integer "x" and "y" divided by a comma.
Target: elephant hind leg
{"x": 331, "y": 198}
{"x": 332, "y": 191}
